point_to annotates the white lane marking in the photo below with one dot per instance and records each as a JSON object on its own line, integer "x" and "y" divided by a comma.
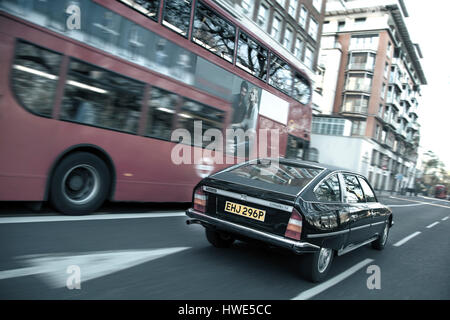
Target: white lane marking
{"x": 405, "y": 205}
{"x": 53, "y": 267}
{"x": 445, "y": 218}
{"x": 422, "y": 202}
{"x": 432, "y": 225}
{"x": 110, "y": 216}
{"x": 308, "y": 294}
{"x": 404, "y": 240}
{"x": 436, "y": 199}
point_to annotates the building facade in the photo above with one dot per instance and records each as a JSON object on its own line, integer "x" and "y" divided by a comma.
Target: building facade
{"x": 368, "y": 92}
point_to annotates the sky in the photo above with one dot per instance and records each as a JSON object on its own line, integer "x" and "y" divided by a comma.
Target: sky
{"x": 428, "y": 25}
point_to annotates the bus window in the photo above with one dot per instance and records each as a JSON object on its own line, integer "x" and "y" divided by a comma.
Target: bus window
{"x": 194, "y": 113}
{"x": 150, "y": 8}
{"x": 176, "y": 15}
{"x": 280, "y": 75}
{"x": 302, "y": 89}
{"x": 251, "y": 56}
{"x": 213, "y": 32}
{"x": 102, "y": 98}
{"x": 161, "y": 112}
{"x": 34, "y": 77}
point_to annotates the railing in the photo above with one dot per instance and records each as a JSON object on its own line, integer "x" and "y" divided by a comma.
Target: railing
{"x": 361, "y": 66}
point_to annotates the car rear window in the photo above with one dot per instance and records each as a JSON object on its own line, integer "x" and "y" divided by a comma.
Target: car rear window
{"x": 278, "y": 173}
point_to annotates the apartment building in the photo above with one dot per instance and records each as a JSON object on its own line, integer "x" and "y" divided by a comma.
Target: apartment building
{"x": 368, "y": 92}
{"x": 291, "y": 27}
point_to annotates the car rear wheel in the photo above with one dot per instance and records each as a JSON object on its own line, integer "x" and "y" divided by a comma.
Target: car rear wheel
{"x": 315, "y": 266}
{"x": 219, "y": 239}
{"x": 380, "y": 243}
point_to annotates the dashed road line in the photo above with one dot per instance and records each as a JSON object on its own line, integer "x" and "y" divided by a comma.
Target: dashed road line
{"x": 308, "y": 294}
{"x": 445, "y": 218}
{"x": 404, "y": 240}
{"x": 432, "y": 225}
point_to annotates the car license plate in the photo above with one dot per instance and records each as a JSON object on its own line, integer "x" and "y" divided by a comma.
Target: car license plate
{"x": 245, "y": 211}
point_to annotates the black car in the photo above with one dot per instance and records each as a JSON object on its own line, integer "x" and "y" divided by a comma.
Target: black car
{"x": 305, "y": 207}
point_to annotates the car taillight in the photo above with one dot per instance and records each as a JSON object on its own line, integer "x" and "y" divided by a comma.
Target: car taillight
{"x": 200, "y": 200}
{"x": 294, "y": 227}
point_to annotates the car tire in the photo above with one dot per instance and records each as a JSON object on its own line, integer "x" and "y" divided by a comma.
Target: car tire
{"x": 80, "y": 184}
{"x": 381, "y": 241}
{"x": 315, "y": 266}
{"x": 219, "y": 239}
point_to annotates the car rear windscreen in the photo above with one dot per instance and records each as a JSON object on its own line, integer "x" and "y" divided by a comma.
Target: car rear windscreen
{"x": 283, "y": 174}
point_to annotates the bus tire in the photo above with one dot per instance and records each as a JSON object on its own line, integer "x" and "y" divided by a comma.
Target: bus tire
{"x": 80, "y": 184}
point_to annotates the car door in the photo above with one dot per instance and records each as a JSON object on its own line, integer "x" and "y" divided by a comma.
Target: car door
{"x": 376, "y": 210}
{"x": 359, "y": 216}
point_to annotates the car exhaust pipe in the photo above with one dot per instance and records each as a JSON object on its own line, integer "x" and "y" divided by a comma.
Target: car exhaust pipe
{"x": 193, "y": 221}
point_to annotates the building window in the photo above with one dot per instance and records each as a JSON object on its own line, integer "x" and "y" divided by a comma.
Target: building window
{"x": 303, "y": 16}
{"x": 359, "y": 82}
{"x": 358, "y": 128}
{"x": 364, "y": 42}
{"x": 247, "y": 6}
{"x": 359, "y": 21}
{"x": 383, "y": 90}
{"x": 313, "y": 28}
{"x": 361, "y": 61}
{"x": 251, "y": 56}
{"x": 328, "y": 126}
{"x": 282, "y": 3}
{"x": 341, "y": 25}
{"x": 213, "y": 32}
{"x": 386, "y": 70}
{"x": 35, "y": 76}
{"x": 389, "y": 50}
{"x": 293, "y": 4}
{"x": 309, "y": 57}
{"x": 276, "y": 27}
{"x": 263, "y": 14}
{"x": 287, "y": 42}
{"x": 177, "y": 15}
{"x": 298, "y": 50}
{"x": 355, "y": 104}
{"x": 377, "y": 132}
{"x": 318, "y": 5}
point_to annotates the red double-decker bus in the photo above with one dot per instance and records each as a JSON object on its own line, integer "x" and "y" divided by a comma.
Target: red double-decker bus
{"x": 92, "y": 91}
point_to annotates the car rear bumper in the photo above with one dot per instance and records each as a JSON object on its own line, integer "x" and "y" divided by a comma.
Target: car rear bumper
{"x": 208, "y": 221}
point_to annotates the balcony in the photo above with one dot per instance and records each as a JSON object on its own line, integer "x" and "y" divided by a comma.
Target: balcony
{"x": 395, "y": 102}
{"x": 394, "y": 80}
{"x": 354, "y": 110}
{"x": 361, "y": 66}
{"x": 359, "y": 87}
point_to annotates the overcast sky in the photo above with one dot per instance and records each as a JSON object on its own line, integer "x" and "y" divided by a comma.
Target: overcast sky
{"x": 428, "y": 25}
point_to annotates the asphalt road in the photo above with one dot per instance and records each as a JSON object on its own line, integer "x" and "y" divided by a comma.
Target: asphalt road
{"x": 147, "y": 252}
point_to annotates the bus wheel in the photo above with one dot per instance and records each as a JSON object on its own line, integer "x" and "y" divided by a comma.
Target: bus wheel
{"x": 79, "y": 184}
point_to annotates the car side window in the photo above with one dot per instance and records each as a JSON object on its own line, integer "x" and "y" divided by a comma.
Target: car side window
{"x": 353, "y": 189}
{"x": 329, "y": 190}
{"x": 368, "y": 192}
